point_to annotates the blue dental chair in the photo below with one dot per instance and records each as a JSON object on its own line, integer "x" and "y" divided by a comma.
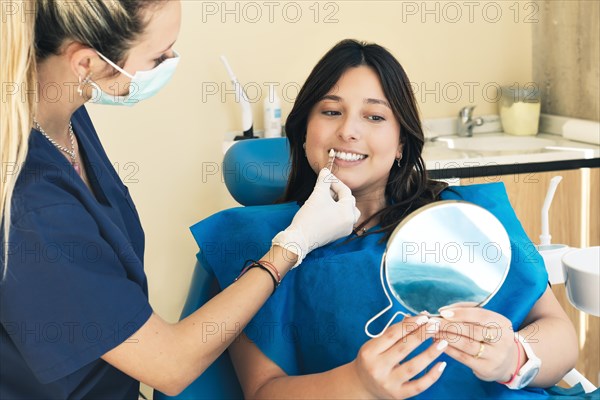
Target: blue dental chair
{"x": 255, "y": 173}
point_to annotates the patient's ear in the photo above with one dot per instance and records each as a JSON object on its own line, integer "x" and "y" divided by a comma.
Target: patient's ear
{"x": 399, "y": 151}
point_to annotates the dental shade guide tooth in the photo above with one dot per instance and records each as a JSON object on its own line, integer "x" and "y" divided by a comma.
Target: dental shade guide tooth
{"x": 331, "y": 159}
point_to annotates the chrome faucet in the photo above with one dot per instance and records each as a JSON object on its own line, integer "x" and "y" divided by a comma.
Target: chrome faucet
{"x": 466, "y": 121}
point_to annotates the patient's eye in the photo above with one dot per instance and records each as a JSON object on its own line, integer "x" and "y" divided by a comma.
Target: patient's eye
{"x": 330, "y": 113}
{"x": 376, "y": 118}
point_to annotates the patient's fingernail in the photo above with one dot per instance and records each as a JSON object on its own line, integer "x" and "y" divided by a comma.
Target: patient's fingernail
{"x": 447, "y": 314}
{"x": 442, "y": 345}
{"x": 422, "y": 320}
{"x": 442, "y": 366}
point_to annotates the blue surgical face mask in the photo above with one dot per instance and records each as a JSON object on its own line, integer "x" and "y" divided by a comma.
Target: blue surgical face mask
{"x": 144, "y": 84}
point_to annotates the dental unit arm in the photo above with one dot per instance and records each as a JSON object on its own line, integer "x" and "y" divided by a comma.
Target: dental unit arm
{"x": 545, "y": 237}
{"x": 551, "y": 253}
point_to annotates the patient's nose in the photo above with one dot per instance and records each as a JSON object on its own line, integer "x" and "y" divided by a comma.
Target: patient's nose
{"x": 349, "y": 129}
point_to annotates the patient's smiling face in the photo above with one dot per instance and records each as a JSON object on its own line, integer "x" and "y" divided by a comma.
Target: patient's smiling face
{"x": 355, "y": 119}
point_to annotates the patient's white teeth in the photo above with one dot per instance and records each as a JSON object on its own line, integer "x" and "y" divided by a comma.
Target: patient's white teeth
{"x": 349, "y": 156}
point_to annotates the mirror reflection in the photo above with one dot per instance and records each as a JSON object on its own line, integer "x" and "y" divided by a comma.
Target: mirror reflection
{"x": 446, "y": 253}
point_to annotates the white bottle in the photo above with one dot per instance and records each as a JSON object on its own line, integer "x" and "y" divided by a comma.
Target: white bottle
{"x": 272, "y": 106}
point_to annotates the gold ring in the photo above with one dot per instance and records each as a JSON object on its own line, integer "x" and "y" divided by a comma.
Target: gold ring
{"x": 480, "y": 352}
{"x": 489, "y": 338}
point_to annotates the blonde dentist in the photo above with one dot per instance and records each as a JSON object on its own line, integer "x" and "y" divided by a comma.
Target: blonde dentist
{"x": 74, "y": 312}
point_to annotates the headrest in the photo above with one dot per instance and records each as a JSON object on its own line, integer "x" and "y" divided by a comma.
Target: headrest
{"x": 256, "y": 170}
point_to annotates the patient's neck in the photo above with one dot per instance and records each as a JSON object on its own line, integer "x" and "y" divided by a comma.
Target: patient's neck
{"x": 369, "y": 204}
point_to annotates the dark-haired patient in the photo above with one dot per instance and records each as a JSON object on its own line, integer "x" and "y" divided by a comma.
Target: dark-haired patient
{"x": 308, "y": 341}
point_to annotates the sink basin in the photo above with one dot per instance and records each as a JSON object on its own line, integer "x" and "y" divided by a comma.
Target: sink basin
{"x": 496, "y": 143}
{"x": 581, "y": 270}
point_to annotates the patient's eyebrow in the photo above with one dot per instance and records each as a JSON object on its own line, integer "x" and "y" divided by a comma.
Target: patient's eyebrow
{"x": 378, "y": 101}
{"x": 338, "y": 99}
{"x": 332, "y": 97}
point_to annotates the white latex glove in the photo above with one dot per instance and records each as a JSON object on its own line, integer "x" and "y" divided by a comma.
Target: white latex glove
{"x": 321, "y": 219}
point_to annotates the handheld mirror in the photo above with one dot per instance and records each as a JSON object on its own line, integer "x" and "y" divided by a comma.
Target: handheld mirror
{"x": 445, "y": 253}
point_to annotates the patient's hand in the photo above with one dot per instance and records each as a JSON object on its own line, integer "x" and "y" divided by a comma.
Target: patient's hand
{"x": 481, "y": 339}
{"x": 380, "y": 367}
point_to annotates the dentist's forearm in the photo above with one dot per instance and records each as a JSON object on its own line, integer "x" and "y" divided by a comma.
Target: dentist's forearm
{"x": 169, "y": 357}
{"x": 205, "y": 334}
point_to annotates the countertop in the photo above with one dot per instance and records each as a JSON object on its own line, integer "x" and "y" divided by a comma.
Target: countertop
{"x": 562, "y": 154}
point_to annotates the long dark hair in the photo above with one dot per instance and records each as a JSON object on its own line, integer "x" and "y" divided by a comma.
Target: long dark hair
{"x": 408, "y": 187}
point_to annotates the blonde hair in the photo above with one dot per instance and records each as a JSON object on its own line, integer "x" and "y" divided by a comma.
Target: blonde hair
{"x": 31, "y": 31}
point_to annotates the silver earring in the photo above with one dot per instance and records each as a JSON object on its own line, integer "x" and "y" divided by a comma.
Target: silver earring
{"x": 82, "y": 83}
{"x": 398, "y": 161}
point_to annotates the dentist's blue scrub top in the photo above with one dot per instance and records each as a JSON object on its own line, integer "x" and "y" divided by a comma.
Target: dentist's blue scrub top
{"x": 75, "y": 286}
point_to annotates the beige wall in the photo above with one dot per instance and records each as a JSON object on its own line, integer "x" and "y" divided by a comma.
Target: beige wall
{"x": 566, "y": 47}
{"x": 164, "y": 145}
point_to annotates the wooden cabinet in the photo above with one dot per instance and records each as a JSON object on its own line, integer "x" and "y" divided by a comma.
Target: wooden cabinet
{"x": 574, "y": 220}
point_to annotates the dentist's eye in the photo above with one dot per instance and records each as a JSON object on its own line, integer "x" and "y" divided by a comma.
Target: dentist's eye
{"x": 159, "y": 60}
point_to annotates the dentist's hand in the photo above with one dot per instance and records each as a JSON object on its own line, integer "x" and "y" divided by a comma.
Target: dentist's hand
{"x": 321, "y": 219}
